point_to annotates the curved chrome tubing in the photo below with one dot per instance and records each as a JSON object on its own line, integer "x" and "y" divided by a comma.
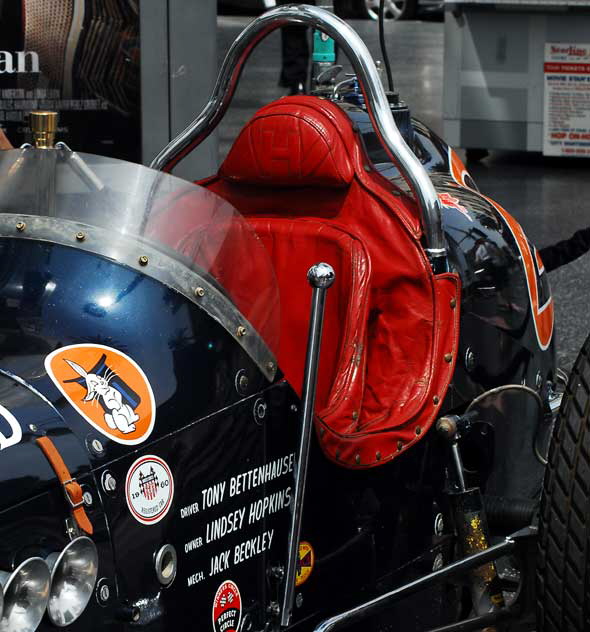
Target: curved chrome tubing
{"x": 377, "y": 106}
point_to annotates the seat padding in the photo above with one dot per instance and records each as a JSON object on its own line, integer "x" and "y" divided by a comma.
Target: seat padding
{"x": 391, "y": 326}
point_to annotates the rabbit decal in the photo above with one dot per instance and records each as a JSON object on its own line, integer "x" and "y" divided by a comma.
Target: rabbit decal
{"x": 107, "y": 388}
{"x": 117, "y": 414}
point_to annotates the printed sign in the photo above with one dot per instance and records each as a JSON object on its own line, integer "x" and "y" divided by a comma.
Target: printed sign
{"x": 227, "y": 608}
{"x": 107, "y": 388}
{"x": 79, "y": 58}
{"x": 566, "y": 117}
{"x": 149, "y": 489}
{"x": 305, "y": 563}
{"x": 16, "y": 433}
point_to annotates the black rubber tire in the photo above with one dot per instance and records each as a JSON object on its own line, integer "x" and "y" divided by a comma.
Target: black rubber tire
{"x": 563, "y": 571}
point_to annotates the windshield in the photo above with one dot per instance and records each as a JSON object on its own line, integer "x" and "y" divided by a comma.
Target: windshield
{"x": 200, "y": 244}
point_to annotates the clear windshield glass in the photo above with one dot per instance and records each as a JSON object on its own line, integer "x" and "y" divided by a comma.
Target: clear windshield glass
{"x": 184, "y": 221}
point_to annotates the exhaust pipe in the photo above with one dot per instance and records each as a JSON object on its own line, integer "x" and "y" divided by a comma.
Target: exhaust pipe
{"x": 26, "y": 593}
{"x": 73, "y": 577}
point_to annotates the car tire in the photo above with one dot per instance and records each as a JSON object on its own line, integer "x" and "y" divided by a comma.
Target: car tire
{"x": 394, "y": 9}
{"x": 563, "y": 582}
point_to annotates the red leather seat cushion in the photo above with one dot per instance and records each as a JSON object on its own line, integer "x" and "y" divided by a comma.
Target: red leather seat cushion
{"x": 294, "y": 246}
{"x": 287, "y": 146}
{"x": 389, "y": 321}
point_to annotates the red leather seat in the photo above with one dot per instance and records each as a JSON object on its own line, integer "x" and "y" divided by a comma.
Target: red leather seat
{"x": 299, "y": 173}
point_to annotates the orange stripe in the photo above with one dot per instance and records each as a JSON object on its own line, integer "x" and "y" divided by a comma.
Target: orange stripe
{"x": 543, "y": 316}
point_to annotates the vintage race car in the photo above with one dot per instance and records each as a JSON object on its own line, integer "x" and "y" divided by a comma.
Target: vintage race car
{"x": 171, "y": 455}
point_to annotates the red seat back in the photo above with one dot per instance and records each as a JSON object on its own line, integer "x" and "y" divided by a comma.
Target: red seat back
{"x": 298, "y": 172}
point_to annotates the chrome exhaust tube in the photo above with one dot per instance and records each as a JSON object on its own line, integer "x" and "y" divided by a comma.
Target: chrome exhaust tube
{"x": 375, "y": 98}
{"x": 26, "y": 593}
{"x": 73, "y": 577}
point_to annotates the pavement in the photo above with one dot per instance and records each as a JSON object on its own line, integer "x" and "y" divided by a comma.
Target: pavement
{"x": 548, "y": 196}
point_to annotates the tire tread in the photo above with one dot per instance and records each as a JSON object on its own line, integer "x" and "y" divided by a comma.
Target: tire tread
{"x": 563, "y": 587}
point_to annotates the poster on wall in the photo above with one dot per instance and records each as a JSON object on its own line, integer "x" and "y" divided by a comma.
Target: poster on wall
{"x": 80, "y": 59}
{"x": 566, "y": 115}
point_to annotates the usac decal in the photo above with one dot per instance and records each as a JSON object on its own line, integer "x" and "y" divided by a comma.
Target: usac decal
{"x": 305, "y": 563}
{"x": 227, "y": 608}
{"x": 107, "y": 388}
{"x": 149, "y": 489}
{"x": 540, "y": 298}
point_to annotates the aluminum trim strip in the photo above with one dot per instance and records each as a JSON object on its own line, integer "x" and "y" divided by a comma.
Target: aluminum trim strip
{"x": 159, "y": 266}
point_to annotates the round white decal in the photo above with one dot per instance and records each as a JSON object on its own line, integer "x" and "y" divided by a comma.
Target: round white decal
{"x": 149, "y": 489}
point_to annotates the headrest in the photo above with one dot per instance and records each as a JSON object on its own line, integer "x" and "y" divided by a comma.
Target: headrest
{"x": 294, "y": 142}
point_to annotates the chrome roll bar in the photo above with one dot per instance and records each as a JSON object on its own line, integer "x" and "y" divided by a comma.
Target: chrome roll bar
{"x": 375, "y": 98}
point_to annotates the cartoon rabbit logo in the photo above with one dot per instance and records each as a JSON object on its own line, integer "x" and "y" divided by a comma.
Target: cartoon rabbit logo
{"x": 107, "y": 388}
{"x": 117, "y": 414}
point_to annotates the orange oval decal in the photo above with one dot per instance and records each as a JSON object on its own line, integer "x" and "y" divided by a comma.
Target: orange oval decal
{"x": 107, "y": 388}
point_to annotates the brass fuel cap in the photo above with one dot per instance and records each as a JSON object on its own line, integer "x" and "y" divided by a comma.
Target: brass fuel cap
{"x": 43, "y": 126}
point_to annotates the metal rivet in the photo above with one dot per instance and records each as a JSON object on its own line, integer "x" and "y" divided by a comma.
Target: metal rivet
{"x": 448, "y": 357}
{"x": 200, "y": 292}
{"x": 378, "y": 456}
{"x": 143, "y": 260}
{"x": 357, "y": 459}
{"x": 355, "y": 415}
{"x": 240, "y": 331}
{"x": 453, "y": 303}
{"x": 435, "y": 400}
{"x": 322, "y": 431}
{"x": 400, "y": 445}
{"x": 299, "y": 600}
{"x": 20, "y": 226}
{"x": 418, "y": 430}
{"x": 32, "y": 427}
{"x": 80, "y": 236}
{"x": 87, "y": 498}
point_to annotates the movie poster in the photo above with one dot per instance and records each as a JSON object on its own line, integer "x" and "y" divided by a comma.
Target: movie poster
{"x": 80, "y": 58}
{"x": 566, "y": 121}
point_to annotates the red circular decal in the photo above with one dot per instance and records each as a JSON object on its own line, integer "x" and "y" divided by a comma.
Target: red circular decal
{"x": 227, "y": 608}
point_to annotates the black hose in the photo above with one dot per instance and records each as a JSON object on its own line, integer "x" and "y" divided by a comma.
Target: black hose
{"x": 509, "y": 514}
{"x": 382, "y": 44}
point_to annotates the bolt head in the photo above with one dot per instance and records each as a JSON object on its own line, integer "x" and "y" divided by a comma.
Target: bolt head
{"x": 200, "y": 292}
{"x": 20, "y": 226}
{"x": 109, "y": 482}
{"x": 80, "y": 236}
{"x": 241, "y": 331}
{"x": 33, "y": 428}
{"x": 87, "y": 498}
{"x": 104, "y": 593}
{"x": 469, "y": 360}
{"x": 299, "y": 600}
{"x": 97, "y": 446}
{"x": 438, "y": 562}
{"x": 143, "y": 260}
